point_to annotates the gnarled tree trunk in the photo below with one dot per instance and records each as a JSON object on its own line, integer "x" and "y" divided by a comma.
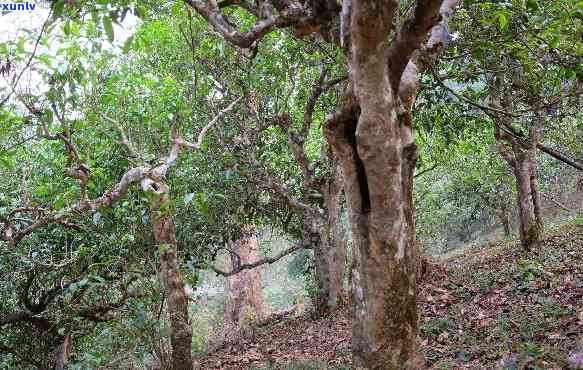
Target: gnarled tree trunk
{"x": 371, "y": 134}
{"x": 322, "y": 299}
{"x": 378, "y": 172}
{"x": 330, "y": 264}
{"x": 171, "y": 278}
{"x": 378, "y": 157}
{"x": 523, "y": 164}
{"x": 244, "y": 291}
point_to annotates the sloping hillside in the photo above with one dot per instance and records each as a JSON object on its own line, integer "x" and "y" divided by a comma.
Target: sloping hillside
{"x": 495, "y": 308}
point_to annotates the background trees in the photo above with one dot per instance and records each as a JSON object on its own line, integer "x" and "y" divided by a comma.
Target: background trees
{"x": 526, "y": 76}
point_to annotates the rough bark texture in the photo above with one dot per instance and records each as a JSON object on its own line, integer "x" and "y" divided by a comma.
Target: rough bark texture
{"x": 529, "y": 202}
{"x": 244, "y": 291}
{"x": 328, "y": 239}
{"x": 322, "y": 299}
{"x": 371, "y": 134}
{"x": 378, "y": 158}
{"x": 336, "y": 235}
{"x": 165, "y": 235}
{"x": 381, "y": 215}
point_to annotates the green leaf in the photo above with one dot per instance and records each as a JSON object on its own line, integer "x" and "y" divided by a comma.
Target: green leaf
{"x": 60, "y": 203}
{"x": 163, "y": 248}
{"x": 67, "y": 28}
{"x": 46, "y": 60}
{"x": 502, "y": 20}
{"x": 76, "y": 29}
{"x": 58, "y": 8}
{"x": 140, "y": 11}
{"x": 554, "y": 42}
{"x": 532, "y": 5}
{"x": 20, "y": 45}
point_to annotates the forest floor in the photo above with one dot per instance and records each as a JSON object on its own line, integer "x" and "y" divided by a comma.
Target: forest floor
{"x": 495, "y": 307}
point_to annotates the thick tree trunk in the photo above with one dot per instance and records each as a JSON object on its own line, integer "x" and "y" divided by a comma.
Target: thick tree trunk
{"x": 522, "y": 160}
{"x": 328, "y": 240}
{"x": 378, "y": 158}
{"x": 378, "y": 188}
{"x": 165, "y": 235}
{"x": 376, "y": 153}
{"x": 244, "y": 291}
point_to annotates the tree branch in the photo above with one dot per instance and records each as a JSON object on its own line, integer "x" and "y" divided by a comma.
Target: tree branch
{"x": 131, "y": 177}
{"x": 263, "y": 261}
{"x": 558, "y": 204}
{"x": 179, "y": 142}
{"x": 24, "y": 316}
{"x": 211, "y": 12}
{"x": 421, "y": 173}
{"x": 296, "y": 141}
{"x": 280, "y": 190}
{"x": 407, "y": 84}
{"x": 411, "y": 37}
{"x": 125, "y": 143}
{"x": 560, "y": 157}
{"x": 484, "y": 108}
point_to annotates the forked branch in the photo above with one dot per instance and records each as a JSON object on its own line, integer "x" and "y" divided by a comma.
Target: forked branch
{"x": 263, "y": 261}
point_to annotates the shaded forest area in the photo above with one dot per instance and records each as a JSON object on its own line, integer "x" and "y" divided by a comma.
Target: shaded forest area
{"x": 291, "y": 184}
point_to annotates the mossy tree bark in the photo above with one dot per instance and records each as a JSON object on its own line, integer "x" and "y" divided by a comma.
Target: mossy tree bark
{"x": 336, "y": 235}
{"x": 371, "y": 134}
{"x": 529, "y": 202}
